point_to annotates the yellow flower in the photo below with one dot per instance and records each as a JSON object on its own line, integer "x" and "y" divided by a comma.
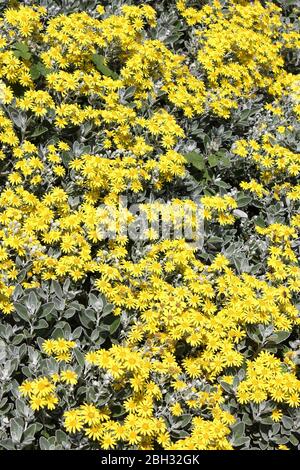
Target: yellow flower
{"x": 51, "y": 401}
{"x": 42, "y": 387}
{"x": 37, "y": 402}
{"x": 73, "y": 421}
{"x": 176, "y": 409}
{"x": 90, "y": 414}
{"x": 276, "y": 415}
{"x": 69, "y": 376}
{"x": 49, "y": 346}
{"x": 108, "y": 441}
{"x": 26, "y": 389}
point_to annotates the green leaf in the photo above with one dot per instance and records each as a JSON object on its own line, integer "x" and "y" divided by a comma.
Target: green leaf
{"x": 79, "y": 357}
{"x": 246, "y": 419}
{"x": 30, "y": 432}
{"x": 260, "y": 222}
{"x": 35, "y": 72}
{"x": 291, "y": 2}
{"x": 38, "y": 69}
{"x": 17, "y": 339}
{"x": 32, "y": 301}
{"x": 39, "y": 426}
{"x": 61, "y": 437}
{"x": 58, "y": 333}
{"x": 279, "y": 336}
{"x": 241, "y": 214}
{"x": 225, "y": 161}
{"x": 18, "y": 292}
{"x": 44, "y": 70}
{"x": 276, "y": 428}
{"x": 41, "y": 325}
{"x": 21, "y": 50}
{"x": 47, "y": 308}
{"x": 23, "y": 55}
{"x": 214, "y": 239}
{"x": 85, "y": 320}
{"x": 129, "y": 92}
{"x": 69, "y": 313}
{"x": 117, "y": 411}
{"x": 195, "y": 159}
{"x": 55, "y": 286}
{"x": 281, "y": 440}
{"x": 66, "y": 158}
{"x": 293, "y": 440}
{"x": 222, "y": 184}
{"x": 16, "y": 429}
{"x": 287, "y": 422}
{"x": 7, "y": 444}
{"x": 96, "y": 302}
{"x": 238, "y": 430}
{"x": 107, "y": 309}
{"x": 226, "y": 387}
{"x": 77, "y": 332}
{"x": 66, "y": 284}
{"x": 114, "y": 326}
{"x": 184, "y": 421}
{"x": 241, "y": 441}
{"x": 21, "y": 46}
{"x": 22, "y": 275}
{"x": 95, "y": 334}
{"x": 266, "y": 420}
{"x": 44, "y": 444}
{"x": 22, "y": 311}
{"x": 90, "y": 314}
{"x": 213, "y": 160}
{"x": 243, "y": 200}
{"x": 245, "y": 114}
{"x": 181, "y": 422}
{"x": 98, "y": 60}
{"x": 40, "y": 342}
{"x": 39, "y": 130}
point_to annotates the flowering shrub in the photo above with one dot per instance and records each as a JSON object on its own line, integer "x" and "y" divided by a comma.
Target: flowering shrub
{"x": 120, "y": 338}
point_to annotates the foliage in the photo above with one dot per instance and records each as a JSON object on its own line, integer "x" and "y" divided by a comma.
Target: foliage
{"x": 149, "y": 343}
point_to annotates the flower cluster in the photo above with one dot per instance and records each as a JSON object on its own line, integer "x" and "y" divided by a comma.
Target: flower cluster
{"x": 266, "y": 376}
{"x": 122, "y": 139}
{"x": 42, "y": 392}
{"x": 59, "y": 348}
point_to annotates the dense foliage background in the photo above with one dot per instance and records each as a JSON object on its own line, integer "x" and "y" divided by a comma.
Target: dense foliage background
{"x": 116, "y": 342}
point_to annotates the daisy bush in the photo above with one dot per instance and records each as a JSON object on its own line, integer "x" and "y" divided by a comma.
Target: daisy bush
{"x": 117, "y": 118}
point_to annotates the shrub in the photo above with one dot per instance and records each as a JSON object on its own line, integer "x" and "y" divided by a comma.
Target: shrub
{"x": 115, "y": 119}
